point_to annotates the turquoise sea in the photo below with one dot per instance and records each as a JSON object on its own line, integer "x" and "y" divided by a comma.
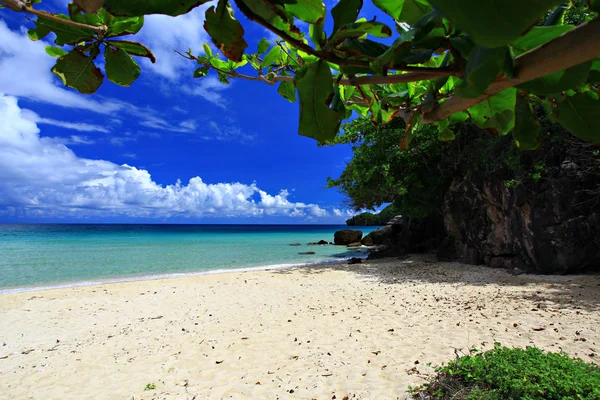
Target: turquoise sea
{"x": 56, "y": 255}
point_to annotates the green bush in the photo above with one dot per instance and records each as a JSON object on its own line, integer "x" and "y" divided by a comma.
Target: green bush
{"x": 504, "y": 373}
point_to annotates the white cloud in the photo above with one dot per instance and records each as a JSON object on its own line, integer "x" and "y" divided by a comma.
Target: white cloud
{"x": 227, "y": 133}
{"x": 78, "y": 126}
{"x": 209, "y": 89}
{"x": 40, "y": 177}
{"x": 73, "y": 140}
{"x": 164, "y": 34}
{"x": 25, "y": 72}
{"x": 344, "y": 213}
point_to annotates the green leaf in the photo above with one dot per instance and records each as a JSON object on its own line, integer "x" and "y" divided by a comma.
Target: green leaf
{"x": 345, "y": 12}
{"x": 65, "y": 34}
{"x": 223, "y": 78}
{"x": 315, "y": 88}
{"x": 207, "y": 50}
{"x": 359, "y": 29}
{"x": 76, "y": 70}
{"x": 497, "y": 113}
{"x": 288, "y": 91}
{"x": 39, "y": 32}
{"x": 272, "y": 57}
{"x": 413, "y": 11}
{"x": 482, "y": 68}
{"x": 316, "y": 34}
{"x": 579, "y": 115}
{"x": 263, "y": 46}
{"x": 131, "y": 8}
{"x": 96, "y": 18}
{"x": 527, "y": 128}
{"x": 399, "y": 49}
{"x": 226, "y": 32}
{"x": 219, "y": 64}
{"x": 594, "y": 74}
{"x": 311, "y": 11}
{"x": 557, "y": 82}
{"x": 537, "y": 36}
{"x": 269, "y": 13}
{"x": 133, "y": 48}
{"x": 494, "y": 23}
{"x": 120, "y": 67}
{"x": 364, "y": 48}
{"x": 55, "y": 51}
{"x": 409, "y": 11}
{"x": 201, "y": 72}
{"x": 120, "y": 26}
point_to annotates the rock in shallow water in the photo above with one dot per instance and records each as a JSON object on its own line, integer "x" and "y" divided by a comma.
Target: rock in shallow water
{"x": 347, "y": 236}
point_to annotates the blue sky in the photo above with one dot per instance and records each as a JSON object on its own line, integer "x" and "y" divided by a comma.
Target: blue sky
{"x": 168, "y": 149}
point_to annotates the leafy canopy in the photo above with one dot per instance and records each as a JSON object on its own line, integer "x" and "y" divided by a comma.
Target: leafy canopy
{"x": 438, "y": 61}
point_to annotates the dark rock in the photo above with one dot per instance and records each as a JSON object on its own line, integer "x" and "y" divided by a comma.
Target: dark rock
{"x": 355, "y": 244}
{"x": 447, "y": 250}
{"x": 367, "y": 240}
{"x": 355, "y": 260}
{"x": 347, "y": 236}
{"x": 377, "y": 237}
{"x": 405, "y": 235}
{"x": 307, "y": 252}
{"x": 294, "y": 244}
{"x": 549, "y": 227}
{"x": 320, "y": 242}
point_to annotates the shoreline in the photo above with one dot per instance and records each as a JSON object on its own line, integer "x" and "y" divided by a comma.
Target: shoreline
{"x": 174, "y": 275}
{"x": 365, "y": 331}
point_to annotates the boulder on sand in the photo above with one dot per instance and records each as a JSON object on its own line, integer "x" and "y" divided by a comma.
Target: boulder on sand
{"x": 354, "y": 260}
{"x": 347, "y": 236}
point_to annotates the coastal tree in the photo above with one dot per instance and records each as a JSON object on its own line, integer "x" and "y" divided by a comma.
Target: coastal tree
{"x": 440, "y": 62}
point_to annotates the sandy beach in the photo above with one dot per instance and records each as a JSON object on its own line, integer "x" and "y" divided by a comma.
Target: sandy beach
{"x": 363, "y": 331}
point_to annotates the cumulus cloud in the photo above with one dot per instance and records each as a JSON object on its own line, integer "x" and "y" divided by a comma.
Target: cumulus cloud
{"x": 40, "y": 177}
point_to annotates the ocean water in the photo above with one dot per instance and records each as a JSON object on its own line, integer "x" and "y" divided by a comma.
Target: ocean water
{"x": 50, "y": 255}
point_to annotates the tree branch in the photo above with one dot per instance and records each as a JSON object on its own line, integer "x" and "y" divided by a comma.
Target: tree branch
{"x": 328, "y": 56}
{"x": 19, "y": 6}
{"x": 353, "y": 81}
{"x": 572, "y": 48}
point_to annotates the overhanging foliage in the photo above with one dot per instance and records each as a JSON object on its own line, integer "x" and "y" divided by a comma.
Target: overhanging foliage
{"x": 450, "y": 60}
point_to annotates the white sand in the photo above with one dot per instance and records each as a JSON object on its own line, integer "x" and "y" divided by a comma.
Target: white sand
{"x": 362, "y": 331}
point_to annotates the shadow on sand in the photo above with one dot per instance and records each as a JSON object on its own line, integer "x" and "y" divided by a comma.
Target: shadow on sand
{"x": 565, "y": 291}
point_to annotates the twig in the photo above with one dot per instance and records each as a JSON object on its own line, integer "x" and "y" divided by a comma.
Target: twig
{"x": 328, "y": 56}
{"x": 19, "y": 6}
{"x": 574, "y": 47}
{"x": 354, "y": 81}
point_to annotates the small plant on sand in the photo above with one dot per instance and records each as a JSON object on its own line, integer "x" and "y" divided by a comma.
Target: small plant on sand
{"x": 504, "y": 373}
{"x": 150, "y": 386}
